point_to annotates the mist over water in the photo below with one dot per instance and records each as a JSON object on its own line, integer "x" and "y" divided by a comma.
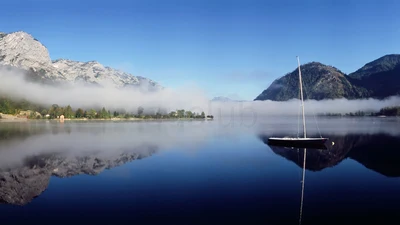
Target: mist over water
{"x": 204, "y": 169}
{"x": 104, "y": 138}
{"x": 101, "y": 139}
{"x": 189, "y": 97}
{"x": 292, "y": 108}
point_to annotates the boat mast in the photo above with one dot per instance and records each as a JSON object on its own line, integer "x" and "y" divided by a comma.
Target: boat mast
{"x": 302, "y": 101}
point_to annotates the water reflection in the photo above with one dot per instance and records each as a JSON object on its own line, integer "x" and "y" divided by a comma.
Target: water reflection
{"x": 302, "y": 185}
{"x": 19, "y": 185}
{"x": 231, "y": 179}
{"x": 378, "y": 152}
{"x": 30, "y": 153}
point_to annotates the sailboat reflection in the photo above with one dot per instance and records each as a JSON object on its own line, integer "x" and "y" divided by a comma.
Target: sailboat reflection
{"x": 302, "y": 184}
{"x": 378, "y": 152}
{"x": 303, "y": 165}
{"x": 300, "y": 151}
{"x": 313, "y": 152}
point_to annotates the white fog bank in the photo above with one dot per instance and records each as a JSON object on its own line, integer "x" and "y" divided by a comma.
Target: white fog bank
{"x": 189, "y": 98}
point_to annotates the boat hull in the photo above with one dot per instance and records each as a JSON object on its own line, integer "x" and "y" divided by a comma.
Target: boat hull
{"x": 318, "y": 143}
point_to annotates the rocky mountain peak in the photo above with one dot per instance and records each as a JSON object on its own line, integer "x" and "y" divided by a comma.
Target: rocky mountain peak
{"x": 320, "y": 81}
{"x": 93, "y": 72}
{"x": 21, "y": 50}
{"x": 377, "y": 79}
{"x": 314, "y": 67}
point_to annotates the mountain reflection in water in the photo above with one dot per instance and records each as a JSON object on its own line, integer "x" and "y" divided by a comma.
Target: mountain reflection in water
{"x": 30, "y": 153}
{"x": 378, "y": 152}
{"x": 21, "y": 184}
{"x": 198, "y": 173}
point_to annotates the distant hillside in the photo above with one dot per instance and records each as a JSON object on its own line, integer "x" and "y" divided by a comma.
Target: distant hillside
{"x": 224, "y": 99}
{"x": 383, "y": 64}
{"x": 319, "y": 82}
{"x": 379, "y": 79}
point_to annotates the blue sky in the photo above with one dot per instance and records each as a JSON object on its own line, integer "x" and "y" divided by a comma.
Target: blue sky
{"x": 229, "y": 48}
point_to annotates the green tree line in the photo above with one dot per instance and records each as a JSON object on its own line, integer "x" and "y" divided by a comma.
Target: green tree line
{"x": 387, "y": 111}
{"x": 390, "y": 111}
{"x": 8, "y": 106}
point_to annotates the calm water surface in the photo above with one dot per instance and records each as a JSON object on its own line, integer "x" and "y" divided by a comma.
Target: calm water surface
{"x": 198, "y": 172}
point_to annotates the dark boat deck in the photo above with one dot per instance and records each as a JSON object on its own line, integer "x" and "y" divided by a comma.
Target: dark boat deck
{"x": 318, "y": 143}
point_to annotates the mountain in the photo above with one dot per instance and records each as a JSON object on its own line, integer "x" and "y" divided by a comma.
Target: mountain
{"x": 224, "y": 99}
{"x": 381, "y": 76}
{"x": 20, "y": 50}
{"x": 378, "y": 79}
{"x": 319, "y": 82}
{"x": 383, "y": 64}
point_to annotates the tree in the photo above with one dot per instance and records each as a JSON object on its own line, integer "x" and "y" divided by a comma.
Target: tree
{"x": 52, "y": 111}
{"x": 25, "y": 105}
{"x": 92, "y": 114}
{"x": 180, "y": 113}
{"x": 6, "y": 106}
{"x": 103, "y": 113}
{"x": 189, "y": 114}
{"x": 172, "y": 114}
{"x": 203, "y": 115}
{"x": 68, "y": 113}
{"x": 158, "y": 114}
{"x": 140, "y": 110}
{"x": 390, "y": 111}
{"x": 79, "y": 113}
{"x": 116, "y": 114}
{"x": 44, "y": 112}
{"x": 98, "y": 114}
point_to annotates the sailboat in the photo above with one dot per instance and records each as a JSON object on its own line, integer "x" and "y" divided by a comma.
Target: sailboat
{"x": 300, "y": 142}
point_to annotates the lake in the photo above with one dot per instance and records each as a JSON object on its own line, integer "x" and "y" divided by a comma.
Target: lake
{"x": 198, "y": 172}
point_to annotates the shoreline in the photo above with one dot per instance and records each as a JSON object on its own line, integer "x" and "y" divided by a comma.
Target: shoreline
{"x": 129, "y": 119}
{"x": 347, "y": 116}
{"x": 10, "y": 118}
{"x": 13, "y": 118}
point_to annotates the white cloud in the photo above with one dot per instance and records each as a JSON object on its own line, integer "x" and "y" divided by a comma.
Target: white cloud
{"x": 188, "y": 97}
